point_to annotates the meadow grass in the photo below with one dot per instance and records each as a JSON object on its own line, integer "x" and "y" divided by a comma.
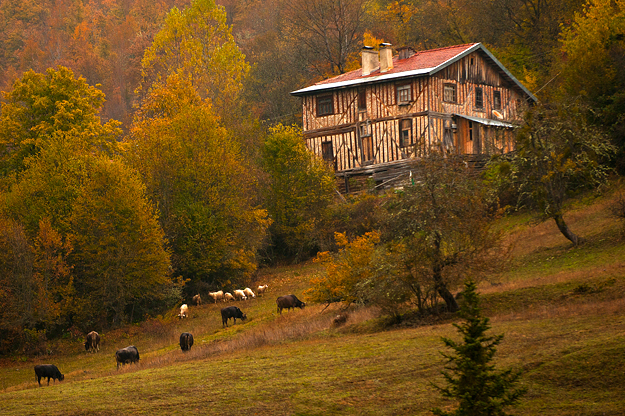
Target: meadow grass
{"x": 561, "y": 310}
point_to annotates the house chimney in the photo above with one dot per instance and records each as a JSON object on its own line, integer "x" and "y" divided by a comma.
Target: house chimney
{"x": 370, "y": 61}
{"x": 386, "y": 57}
{"x": 405, "y": 52}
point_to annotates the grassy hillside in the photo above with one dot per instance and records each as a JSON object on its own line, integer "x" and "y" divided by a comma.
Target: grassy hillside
{"x": 561, "y": 309}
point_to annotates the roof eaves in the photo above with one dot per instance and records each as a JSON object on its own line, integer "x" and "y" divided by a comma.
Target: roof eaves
{"x": 360, "y": 81}
{"x": 486, "y": 121}
{"x": 495, "y": 60}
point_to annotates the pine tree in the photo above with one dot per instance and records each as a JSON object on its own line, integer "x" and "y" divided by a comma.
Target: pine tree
{"x": 471, "y": 377}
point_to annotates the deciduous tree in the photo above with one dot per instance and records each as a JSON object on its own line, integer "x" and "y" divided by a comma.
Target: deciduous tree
{"x": 328, "y": 32}
{"x": 120, "y": 264}
{"x": 301, "y": 187}
{"x": 558, "y": 155}
{"x": 197, "y": 177}
{"x": 594, "y": 66}
{"x": 40, "y": 105}
{"x": 443, "y": 223}
{"x": 197, "y": 44}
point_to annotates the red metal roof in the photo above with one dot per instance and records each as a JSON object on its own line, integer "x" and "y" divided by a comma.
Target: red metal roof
{"x": 420, "y": 60}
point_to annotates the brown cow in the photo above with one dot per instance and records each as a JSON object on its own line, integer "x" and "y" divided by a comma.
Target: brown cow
{"x": 93, "y": 342}
{"x": 289, "y": 302}
{"x": 197, "y": 299}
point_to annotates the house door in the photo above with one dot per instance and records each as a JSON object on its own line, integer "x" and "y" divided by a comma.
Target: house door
{"x": 473, "y": 144}
{"x": 477, "y": 138}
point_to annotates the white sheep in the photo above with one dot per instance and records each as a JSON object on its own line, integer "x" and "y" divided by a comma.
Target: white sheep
{"x": 184, "y": 310}
{"x": 248, "y": 292}
{"x": 239, "y": 295}
{"x": 219, "y": 295}
{"x": 261, "y": 289}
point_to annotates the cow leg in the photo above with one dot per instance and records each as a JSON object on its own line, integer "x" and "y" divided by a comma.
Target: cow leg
{"x": 48, "y": 381}
{"x": 39, "y": 380}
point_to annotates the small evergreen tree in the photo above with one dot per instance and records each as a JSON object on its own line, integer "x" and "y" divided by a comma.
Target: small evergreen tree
{"x": 470, "y": 376}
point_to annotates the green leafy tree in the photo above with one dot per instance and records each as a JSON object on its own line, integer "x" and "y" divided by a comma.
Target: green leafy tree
{"x": 39, "y": 105}
{"x": 443, "y": 224}
{"x": 301, "y": 187}
{"x": 558, "y": 155}
{"x": 197, "y": 44}
{"x": 120, "y": 264}
{"x": 471, "y": 377}
{"x": 197, "y": 177}
{"x": 594, "y": 66}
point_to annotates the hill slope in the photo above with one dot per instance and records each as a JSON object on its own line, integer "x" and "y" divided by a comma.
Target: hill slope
{"x": 562, "y": 312}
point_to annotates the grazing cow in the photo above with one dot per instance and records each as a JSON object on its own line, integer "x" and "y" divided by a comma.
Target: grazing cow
{"x": 248, "y": 292}
{"x": 261, "y": 289}
{"x": 48, "y": 370}
{"x": 228, "y": 297}
{"x": 239, "y": 295}
{"x": 93, "y": 342}
{"x": 289, "y": 302}
{"x": 186, "y": 341}
{"x": 231, "y": 312}
{"x": 197, "y": 299}
{"x": 219, "y": 295}
{"x": 184, "y": 310}
{"x": 127, "y": 355}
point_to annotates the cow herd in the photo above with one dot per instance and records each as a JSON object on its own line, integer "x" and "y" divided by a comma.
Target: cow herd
{"x": 130, "y": 354}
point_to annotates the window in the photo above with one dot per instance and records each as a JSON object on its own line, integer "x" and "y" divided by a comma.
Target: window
{"x": 362, "y": 99}
{"x": 327, "y": 152}
{"x": 404, "y": 94}
{"x": 325, "y": 105}
{"x": 479, "y": 97}
{"x": 470, "y": 131}
{"x": 497, "y": 100}
{"x": 405, "y": 133}
{"x": 365, "y": 129}
{"x": 449, "y": 93}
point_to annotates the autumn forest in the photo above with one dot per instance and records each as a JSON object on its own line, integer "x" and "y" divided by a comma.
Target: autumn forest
{"x": 150, "y": 150}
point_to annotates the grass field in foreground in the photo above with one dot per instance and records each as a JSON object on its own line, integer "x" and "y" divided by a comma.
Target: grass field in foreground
{"x": 562, "y": 312}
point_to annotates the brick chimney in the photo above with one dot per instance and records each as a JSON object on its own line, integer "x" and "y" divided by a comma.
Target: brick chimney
{"x": 370, "y": 61}
{"x": 386, "y": 57}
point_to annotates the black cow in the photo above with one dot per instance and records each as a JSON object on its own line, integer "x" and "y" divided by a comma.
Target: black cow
{"x": 231, "y": 312}
{"x": 186, "y": 341}
{"x": 289, "y": 302}
{"x": 127, "y": 355}
{"x": 48, "y": 370}
{"x": 93, "y": 342}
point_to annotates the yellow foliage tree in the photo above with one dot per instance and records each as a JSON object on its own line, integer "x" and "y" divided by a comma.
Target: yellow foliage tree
{"x": 344, "y": 270}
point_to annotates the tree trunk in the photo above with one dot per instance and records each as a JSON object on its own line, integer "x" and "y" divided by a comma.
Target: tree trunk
{"x": 439, "y": 284}
{"x": 441, "y": 288}
{"x": 564, "y": 229}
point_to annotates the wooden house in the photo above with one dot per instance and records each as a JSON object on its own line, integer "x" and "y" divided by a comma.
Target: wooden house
{"x": 372, "y": 121}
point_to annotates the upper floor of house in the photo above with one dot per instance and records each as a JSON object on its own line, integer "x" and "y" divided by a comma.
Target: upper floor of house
{"x": 462, "y": 80}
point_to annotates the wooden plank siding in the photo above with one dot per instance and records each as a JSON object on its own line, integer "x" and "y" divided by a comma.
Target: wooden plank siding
{"x": 432, "y": 118}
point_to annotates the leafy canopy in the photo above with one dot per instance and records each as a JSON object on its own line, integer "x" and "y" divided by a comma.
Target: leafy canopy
{"x": 40, "y": 105}
{"x": 559, "y": 153}
{"x": 196, "y": 176}
{"x": 301, "y": 187}
{"x": 197, "y": 44}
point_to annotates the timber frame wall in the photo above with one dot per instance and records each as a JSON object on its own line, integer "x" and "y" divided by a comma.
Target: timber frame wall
{"x": 356, "y": 138}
